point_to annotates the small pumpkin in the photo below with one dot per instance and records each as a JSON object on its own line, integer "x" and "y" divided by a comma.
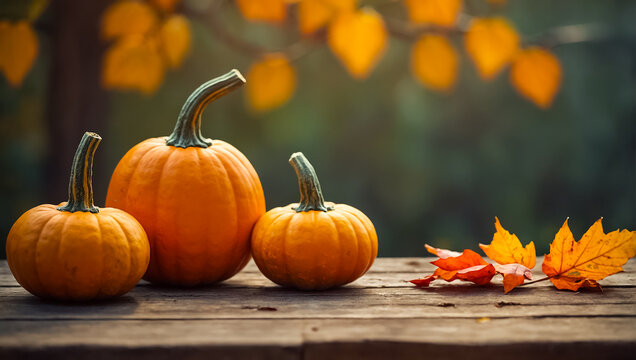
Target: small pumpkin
{"x": 77, "y": 251}
{"x": 313, "y": 244}
{"x": 198, "y": 199}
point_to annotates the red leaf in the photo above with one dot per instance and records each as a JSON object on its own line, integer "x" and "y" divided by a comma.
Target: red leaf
{"x": 467, "y": 266}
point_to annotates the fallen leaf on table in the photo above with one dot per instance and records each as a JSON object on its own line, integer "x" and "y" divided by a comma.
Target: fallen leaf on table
{"x": 506, "y": 248}
{"x": 358, "y": 39}
{"x": 572, "y": 265}
{"x": 513, "y": 275}
{"x": 467, "y": 266}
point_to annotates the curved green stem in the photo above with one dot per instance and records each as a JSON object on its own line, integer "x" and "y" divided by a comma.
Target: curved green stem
{"x": 310, "y": 192}
{"x": 80, "y": 187}
{"x": 187, "y": 131}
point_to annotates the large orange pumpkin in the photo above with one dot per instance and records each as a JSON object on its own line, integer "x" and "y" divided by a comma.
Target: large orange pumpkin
{"x": 197, "y": 198}
{"x": 78, "y": 251}
{"x": 313, "y": 245}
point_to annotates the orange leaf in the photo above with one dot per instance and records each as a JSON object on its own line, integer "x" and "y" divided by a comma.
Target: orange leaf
{"x": 273, "y": 11}
{"x": 536, "y": 74}
{"x": 358, "y": 39}
{"x": 128, "y": 18}
{"x": 133, "y": 63}
{"x": 491, "y": 44}
{"x": 175, "y": 39}
{"x": 437, "y": 12}
{"x": 166, "y": 5}
{"x": 18, "y": 50}
{"x": 314, "y": 14}
{"x": 434, "y": 62}
{"x": 513, "y": 275}
{"x": 506, "y": 248}
{"x": 467, "y": 266}
{"x": 271, "y": 82}
{"x": 571, "y": 264}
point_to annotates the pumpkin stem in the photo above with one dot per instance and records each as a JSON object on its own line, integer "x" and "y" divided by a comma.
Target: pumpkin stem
{"x": 187, "y": 131}
{"x": 80, "y": 187}
{"x": 310, "y": 192}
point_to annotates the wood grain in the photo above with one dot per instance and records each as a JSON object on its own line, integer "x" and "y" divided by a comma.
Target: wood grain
{"x": 379, "y": 316}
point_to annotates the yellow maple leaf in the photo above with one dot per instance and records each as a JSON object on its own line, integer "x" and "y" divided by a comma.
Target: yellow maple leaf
{"x": 506, "y": 248}
{"x": 263, "y": 10}
{"x": 491, "y": 44}
{"x": 128, "y": 18}
{"x": 314, "y": 14}
{"x": 175, "y": 38}
{"x": 437, "y": 12}
{"x": 166, "y": 5}
{"x": 271, "y": 82}
{"x": 133, "y": 63}
{"x": 536, "y": 74}
{"x": 571, "y": 264}
{"x": 434, "y": 62}
{"x": 358, "y": 39}
{"x": 18, "y": 50}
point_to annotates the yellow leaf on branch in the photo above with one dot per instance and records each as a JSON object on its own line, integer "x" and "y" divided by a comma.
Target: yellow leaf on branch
{"x": 273, "y": 11}
{"x": 437, "y": 12}
{"x": 536, "y": 74}
{"x": 358, "y": 39}
{"x": 314, "y": 14}
{"x": 572, "y": 265}
{"x": 175, "y": 38}
{"x": 128, "y": 18}
{"x": 18, "y": 50}
{"x": 506, "y": 248}
{"x": 434, "y": 62}
{"x": 166, "y": 5}
{"x": 491, "y": 44}
{"x": 271, "y": 82}
{"x": 133, "y": 63}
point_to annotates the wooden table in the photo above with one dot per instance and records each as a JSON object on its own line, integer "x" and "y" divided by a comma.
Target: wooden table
{"x": 379, "y": 316}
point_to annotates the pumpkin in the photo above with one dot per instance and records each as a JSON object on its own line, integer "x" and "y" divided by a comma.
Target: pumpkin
{"x": 77, "y": 251}
{"x": 198, "y": 199}
{"x": 313, "y": 245}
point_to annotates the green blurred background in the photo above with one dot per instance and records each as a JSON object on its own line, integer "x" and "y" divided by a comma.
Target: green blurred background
{"x": 425, "y": 167}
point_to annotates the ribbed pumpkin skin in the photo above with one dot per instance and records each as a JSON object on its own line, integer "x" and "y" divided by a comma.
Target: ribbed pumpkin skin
{"x": 197, "y": 205}
{"x": 314, "y": 250}
{"x": 77, "y": 256}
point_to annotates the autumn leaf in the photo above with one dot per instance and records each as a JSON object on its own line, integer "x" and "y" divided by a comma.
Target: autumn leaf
{"x": 441, "y": 253}
{"x": 128, "y": 18}
{"x": 491, "y": 43}
{"x": 175, "y": 39}
{"x": 271, "y": 82}
{"x": 273, "y": 11}
{"x": 467, "y": 266}
{"x": 18, "y": 50}
{"x": 572, "y": 265}
{"x": 434, "y": 62}
{"x": 358, "y": 39}
{"x": 133, "y": 63}
{"x": 315, "y": 14}
{"x": 437, "y": 12}
{"x": 536, "y": 74}
{"x": 513, "y": 275}
{"x": 166, "y": 5}
{"x": 506, "y": 248}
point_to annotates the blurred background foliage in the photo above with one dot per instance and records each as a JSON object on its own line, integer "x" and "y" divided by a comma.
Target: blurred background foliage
{"x": 425, "y": 167}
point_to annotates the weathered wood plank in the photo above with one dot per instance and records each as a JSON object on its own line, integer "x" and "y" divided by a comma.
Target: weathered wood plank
{"x": 569, "y": 338}
{"x": 244, "y": 303}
